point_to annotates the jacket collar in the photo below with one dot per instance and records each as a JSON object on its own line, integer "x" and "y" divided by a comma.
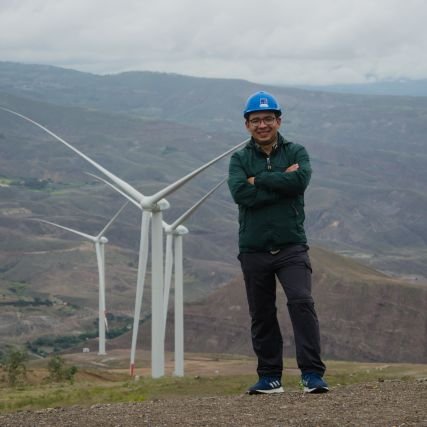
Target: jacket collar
{"x": 280, "y": 141}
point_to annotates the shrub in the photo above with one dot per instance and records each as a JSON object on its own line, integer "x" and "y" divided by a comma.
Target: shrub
{"x": 16, "y": 369}
{"x": 58, "y": 371}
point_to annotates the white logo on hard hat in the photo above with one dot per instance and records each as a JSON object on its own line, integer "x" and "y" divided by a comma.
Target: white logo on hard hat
{"x": 263, "y": 103}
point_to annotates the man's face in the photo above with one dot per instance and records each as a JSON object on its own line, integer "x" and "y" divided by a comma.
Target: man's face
{"x": 263, "y": 127}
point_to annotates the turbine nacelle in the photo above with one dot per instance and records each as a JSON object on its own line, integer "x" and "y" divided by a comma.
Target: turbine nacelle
{"x": 174, "y": 230}
{"x": 181, "y": 230}
{"x": 103, "y": 239}
{"x": 153, "y": 204}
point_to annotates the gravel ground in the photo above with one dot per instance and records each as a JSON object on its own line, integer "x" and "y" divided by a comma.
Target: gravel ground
{"x": 389, "y": 403}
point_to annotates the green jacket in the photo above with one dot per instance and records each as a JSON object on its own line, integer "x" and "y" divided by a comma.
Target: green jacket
{"x": 271, "y": 212}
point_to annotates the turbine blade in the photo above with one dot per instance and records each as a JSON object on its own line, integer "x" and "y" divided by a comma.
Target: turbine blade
{"x": 71, "y": 230}
{"x": 120, "y": 183}
{"x": 187, "y": 213}
{"x": 116, "y": 189}
{"x": 142, "y": 269}
{"x": 177, "y": 184}
{"x": 165, "y": 224}
{"x": 112, "y": 220}
{"x": 168, "y": 279}
{"x": 106, "y": 321}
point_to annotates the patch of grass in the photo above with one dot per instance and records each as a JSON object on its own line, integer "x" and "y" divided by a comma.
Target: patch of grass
{"x": 346, "y": 373}
{"x": 64, "y": 395}
{"x": 5, "y": 182}
{"x": 44, "y": 396}
{"x": 116, "y": 388}
{"x": 18, "y": 288}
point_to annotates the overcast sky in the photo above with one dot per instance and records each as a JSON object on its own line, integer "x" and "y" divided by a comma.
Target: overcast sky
{"x": 269, "y": 41}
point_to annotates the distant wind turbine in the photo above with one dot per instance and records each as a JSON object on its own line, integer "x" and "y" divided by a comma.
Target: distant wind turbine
{"x": 174, "y": 233}
{"x": 99, "y": 241}
{"x": 151, "y": 205}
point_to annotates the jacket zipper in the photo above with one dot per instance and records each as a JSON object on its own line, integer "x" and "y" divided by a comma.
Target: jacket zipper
{"x": 269, "y": 168}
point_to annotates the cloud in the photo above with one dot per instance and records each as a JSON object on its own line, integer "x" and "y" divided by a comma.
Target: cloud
{"x": 276, "y": 41}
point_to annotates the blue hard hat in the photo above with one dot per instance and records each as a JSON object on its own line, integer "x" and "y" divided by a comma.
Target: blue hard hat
{"x": 261, "y": 101}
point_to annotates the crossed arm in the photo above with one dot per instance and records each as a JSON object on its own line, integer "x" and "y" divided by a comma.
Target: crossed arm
{"x": 291, "y": 168}
{"x": 268, "y": 187}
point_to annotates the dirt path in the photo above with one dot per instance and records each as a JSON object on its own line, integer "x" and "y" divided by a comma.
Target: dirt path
{"x": 389, "y": 403}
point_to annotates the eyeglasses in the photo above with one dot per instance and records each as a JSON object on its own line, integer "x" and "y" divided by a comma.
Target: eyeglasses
{"x": 269, "y": 120}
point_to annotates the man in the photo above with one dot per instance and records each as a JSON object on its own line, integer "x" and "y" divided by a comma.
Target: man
{"x": 267, "y": 180}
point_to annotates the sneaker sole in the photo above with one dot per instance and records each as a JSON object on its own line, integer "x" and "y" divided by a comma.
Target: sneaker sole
{"x": 274, "y": 390}
{"x": 316, "y": 390}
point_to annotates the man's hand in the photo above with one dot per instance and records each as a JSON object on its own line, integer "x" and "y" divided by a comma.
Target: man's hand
{"x": 292, "y": 168}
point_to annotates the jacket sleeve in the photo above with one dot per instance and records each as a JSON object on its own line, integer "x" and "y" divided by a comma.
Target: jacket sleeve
{"x": 287, "y": 183}
{"x": 246, "y": 194}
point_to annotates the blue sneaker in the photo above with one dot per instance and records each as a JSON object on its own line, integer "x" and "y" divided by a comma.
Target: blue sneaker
{"x": 313, "y": 383}
{"x": 267, "y": 385}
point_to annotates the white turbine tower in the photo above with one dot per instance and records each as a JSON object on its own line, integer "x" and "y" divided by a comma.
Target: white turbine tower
{"x": 152, "y": 206}
{"x": 99, "y": 241}
{"x": 174, "y": 233}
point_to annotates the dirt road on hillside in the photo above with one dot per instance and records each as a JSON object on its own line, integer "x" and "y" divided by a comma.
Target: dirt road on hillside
{"x": 388, "y": 403}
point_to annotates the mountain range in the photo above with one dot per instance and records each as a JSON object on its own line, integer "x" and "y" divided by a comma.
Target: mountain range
{"x": 392, "y": 87}
{"x": 367, "y": 198}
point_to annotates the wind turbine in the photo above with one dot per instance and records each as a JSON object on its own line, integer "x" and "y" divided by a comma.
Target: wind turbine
{"x": 152, "y": 206}
{"x": 174, "y": 233}
{"x": 99, "y": 241}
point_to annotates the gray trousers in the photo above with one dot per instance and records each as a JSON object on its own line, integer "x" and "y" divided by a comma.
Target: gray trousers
{"x": 293, "y": 269}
